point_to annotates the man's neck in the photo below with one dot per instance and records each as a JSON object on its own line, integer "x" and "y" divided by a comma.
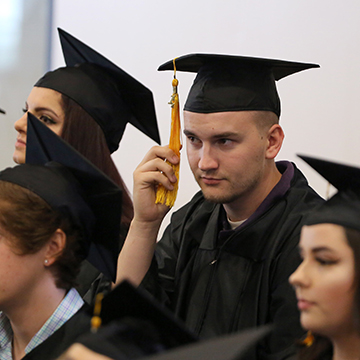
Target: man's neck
{"x": 243, "y": 207}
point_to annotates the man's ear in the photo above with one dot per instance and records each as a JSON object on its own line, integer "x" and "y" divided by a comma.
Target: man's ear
{"x": 55, "y": 247}
{"x": 275, "y": 137}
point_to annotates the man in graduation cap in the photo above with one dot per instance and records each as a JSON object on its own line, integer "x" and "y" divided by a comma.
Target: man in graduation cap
{"x": 224, "y": 261}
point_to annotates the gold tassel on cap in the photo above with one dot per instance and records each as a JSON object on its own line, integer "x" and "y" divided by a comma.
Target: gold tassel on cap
{"x": 164, "y": 196}
{"x": 96, "y": 319}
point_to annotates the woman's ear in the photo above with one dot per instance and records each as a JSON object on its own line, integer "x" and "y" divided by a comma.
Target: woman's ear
{"x": 275, "y": 137}
{"x": 55, "y": 247}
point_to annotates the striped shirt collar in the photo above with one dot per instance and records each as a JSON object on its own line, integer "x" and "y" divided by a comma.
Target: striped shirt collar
{"x": 71, "y": 303}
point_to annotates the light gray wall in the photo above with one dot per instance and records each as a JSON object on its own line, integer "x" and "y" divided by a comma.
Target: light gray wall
{"x": 319, "y": 107}
{"x": 24, "y": 57}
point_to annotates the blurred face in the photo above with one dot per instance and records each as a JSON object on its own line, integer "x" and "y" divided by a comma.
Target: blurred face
{"x": 324, "y": 281}
{"x": 227, "y": 154}
{"x": 80, "y": 352}
{"x": 45, "y": 104}
{"x": 19, "y": 274}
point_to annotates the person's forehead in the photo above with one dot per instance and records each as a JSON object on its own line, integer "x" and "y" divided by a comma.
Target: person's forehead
{"x": 329, "y": 236}
{"x": 221, "y": 117}
{"x": 44, "y": 94}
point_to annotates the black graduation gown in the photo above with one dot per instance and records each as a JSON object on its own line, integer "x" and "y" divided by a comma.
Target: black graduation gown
{"x": 91, "y": 281}
{"x": 242, "y": 283}
{"x": 61, "y": 339}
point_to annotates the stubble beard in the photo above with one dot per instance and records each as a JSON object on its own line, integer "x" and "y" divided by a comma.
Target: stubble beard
{"x": 231, "y": 192}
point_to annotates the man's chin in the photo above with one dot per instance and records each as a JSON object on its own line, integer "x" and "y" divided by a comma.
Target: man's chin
{"x": 216, "y": 198}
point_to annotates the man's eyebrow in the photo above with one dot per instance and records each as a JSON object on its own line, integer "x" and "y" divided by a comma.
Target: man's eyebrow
{"x": 217, "y": 136}
{"x": 188, "y": 133}
{"x": 225, "y": 135}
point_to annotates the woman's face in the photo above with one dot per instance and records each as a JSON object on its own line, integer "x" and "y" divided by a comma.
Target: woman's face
{"x": 324, "y": 281}
{"x": 45, "y": 104}
{"x": 19, "y": 274}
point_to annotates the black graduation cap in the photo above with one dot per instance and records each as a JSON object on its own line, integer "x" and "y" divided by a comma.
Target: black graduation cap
{"x": 234, "y": 83}
{"x": 344, "y": 207}
{"x": 101, "y": 196}
{"x": 227, "y": 347}
{"x": 110, "y": 95}
{"x": 135, "y": 324}
{"x": 2, "y": 111}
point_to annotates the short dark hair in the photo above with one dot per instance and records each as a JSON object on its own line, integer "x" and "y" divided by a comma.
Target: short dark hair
{"x": 264, "y": 120}
{"x": 30, "y": 223}
{"x": 83, "y": 133}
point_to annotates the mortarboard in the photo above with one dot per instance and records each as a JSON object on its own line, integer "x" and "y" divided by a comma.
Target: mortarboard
{"x": 144, "y": 329}
{"x": 343, "y": 208}
{"x": 234, "y": 83}
{"x": 227, "y": 347}
{"x": 135, "y": 324}
{"x": 106, "y": 92}
{"x": 98, "y": 215}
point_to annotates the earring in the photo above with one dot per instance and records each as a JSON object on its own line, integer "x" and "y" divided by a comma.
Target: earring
{"x": 46, "y": 261}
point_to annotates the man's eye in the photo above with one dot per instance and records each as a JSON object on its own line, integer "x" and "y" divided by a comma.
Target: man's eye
{"x": 224, "y": 141}
{"x": 192, "y": 139}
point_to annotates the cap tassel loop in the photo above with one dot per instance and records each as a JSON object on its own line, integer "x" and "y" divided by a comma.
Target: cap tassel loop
{"x": 164, "y": 196}
{"x": 309, "y": 340}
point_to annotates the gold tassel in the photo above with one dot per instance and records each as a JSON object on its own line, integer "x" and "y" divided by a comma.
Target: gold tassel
{"x": 164, "y": 196}
{"x": 309, "y": 340}
{"x": 96, "y": 319}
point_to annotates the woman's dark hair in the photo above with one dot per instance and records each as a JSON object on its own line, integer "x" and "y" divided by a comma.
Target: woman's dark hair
{"x": 322, "y": 346}
{"x": 321, "y": 349}
{"x": 30, "y": 223}
{"x": 83, "y": 133}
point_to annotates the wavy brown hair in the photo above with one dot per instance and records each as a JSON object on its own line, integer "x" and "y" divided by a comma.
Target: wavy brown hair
{"x": 83, "y": 133}
{"x": 30, "y": 223}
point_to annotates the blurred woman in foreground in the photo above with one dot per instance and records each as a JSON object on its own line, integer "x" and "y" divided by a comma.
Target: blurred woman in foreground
{"x": 327, "y": 281}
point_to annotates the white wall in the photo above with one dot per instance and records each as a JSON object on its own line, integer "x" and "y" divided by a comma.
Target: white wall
{"x": 319, "y": 107}
{"x": 24, "y": 49}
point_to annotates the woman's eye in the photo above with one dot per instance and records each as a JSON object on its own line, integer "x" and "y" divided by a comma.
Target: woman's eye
{"x": 24, "y": 110}
{"x": 326, "y": 261}
{"x": 46, "y": 120}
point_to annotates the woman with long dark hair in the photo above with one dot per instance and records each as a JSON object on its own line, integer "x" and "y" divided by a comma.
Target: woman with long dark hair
{"x": 327, "y": 281}
{"x": 88, "y": 103}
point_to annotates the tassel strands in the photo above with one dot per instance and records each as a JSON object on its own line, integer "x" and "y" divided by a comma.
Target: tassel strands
{"x": 309, "y": 340}
{"x": 164, "y": 196}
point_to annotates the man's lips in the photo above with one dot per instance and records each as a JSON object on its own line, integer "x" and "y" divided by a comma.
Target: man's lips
{"x": 208, "y": 180}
